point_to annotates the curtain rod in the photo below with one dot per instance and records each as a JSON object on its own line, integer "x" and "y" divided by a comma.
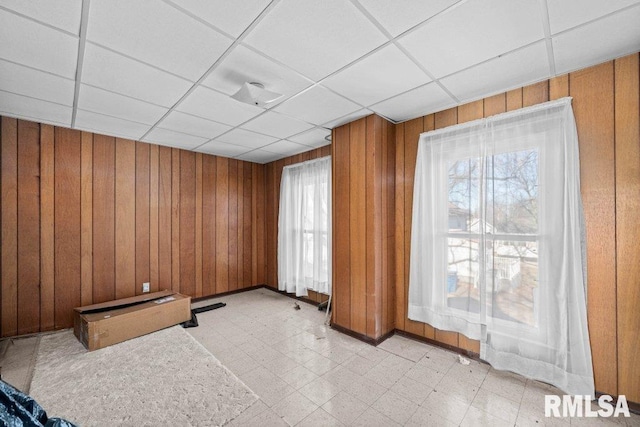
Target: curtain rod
{"x": 306, "y": 162}
{"x": 500, "y": 116}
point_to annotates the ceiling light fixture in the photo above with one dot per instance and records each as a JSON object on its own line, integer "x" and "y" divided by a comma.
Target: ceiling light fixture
{"x": 255, "y": 94}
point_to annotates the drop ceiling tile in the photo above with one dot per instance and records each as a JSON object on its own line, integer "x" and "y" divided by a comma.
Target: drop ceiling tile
{"x": 565, "y": 14}
{"x": 164, "y": 36}
{"x": 112, "y": 104}
{"x": 107, "y": 125}
{"x": 347, "y": 119}
{"x": 398, "y": 17}
{"x": 315, "y": 38}
{"x": 260, "y": 156}
{"x": 386, "y": 73}
{"x": 244, "y": 65}
{"x": 314, "y": 138}
{"x": 246, "y": 138}
{"x": 174, "y": 139}
{"x": 510, "y": 71}
{"x": 415, "y": 103}
{"x": 233, "y": 20}
{"x": 286, "y": 148}
{"x": 608, "y": 38}
{"x": 277, "y": 125}
{"x": 186, "y": 123}
{"x": 34, "y": 109}
{"x": 317, "y": 105}
{"x": 215, "y": 106}
{"x": 474, "y": 32}
{"x": 63, "y": 14}
{"x": 37, "y": 84}
{"x": 218, "y": 148}
{"x": 108, "y": 70}
{"x": 36, "y": 45}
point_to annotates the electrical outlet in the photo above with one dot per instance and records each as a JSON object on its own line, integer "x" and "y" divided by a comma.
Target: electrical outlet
{"x": 145, "y": 287}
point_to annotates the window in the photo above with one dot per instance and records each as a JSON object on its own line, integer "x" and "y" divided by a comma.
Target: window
{"x": 497, "y": 247}
{"x": 304, "y": 228}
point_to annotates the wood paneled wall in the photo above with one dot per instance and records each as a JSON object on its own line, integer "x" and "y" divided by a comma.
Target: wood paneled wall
{"x": 272, "y": 207}
{"x": 88, "y": 218}
{"x": 606, "y": 103}
{"x": 363, "y": 226}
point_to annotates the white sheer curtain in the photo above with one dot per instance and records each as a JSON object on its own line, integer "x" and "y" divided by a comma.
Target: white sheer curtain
{"x": 497, "y": 247}
{"x": 304, "y": 228}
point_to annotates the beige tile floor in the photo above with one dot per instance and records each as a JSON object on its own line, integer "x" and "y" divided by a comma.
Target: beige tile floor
{"x": 307, "y": 374}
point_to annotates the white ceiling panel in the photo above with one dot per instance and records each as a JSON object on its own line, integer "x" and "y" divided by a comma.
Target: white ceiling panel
{"x": 417, "y": 102}
{"x": 317, "y": 105}
{"x": 347, "y": 119}
{"x": 246, "y": 138}
{"x": 474, "y": 32}
{"x": 381, "y": 75}
{"x": 164, "y": 36}
{"x": 36, "y": 45}
{"x": 565, "y": 14}
{"x": 111, "y": 104}
{"x": 315, "y": 38}
{"x": 314, "y": 138}
{"x": 259, "y": 156}
{"x": 63, "y": 14}
{"x": 400, "y": 15}
{"x": 34, "y": 109}
{"x": 510, "y": 71}
{"x": 230, "y": 19}
{"x": 602, "y": 40}
{"x": 186, "y": 123}
{"x": 286, "y": 148}
{"x": 107, "y": 125}
{"x": 244, "y": 65}
{"x": 174, "y": 139}
{"x": 37, "y": 84}
{"x": 130, "y": 77}
{"x": 218, "y": 148}
{"x": 277, "y": 125}
{"x": 213, "y": 105}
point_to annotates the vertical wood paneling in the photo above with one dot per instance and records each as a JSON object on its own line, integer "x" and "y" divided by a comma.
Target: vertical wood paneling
{"x": 495, "y": 105}
{"x": 86, "y": 218}
{"x": 154, "y": 183}
{"x": 271, "y": 229}
{"x": 514, "y": 99}
{"x": 232, "y": 215}
{"x": 627, "y": 163}
{"x": 222, "y": 225}
{"x": 9, "y": 222}
{"x": 164, "y": 219}
{"x": 240, "y": 225}
{"x": 175, "y": 220}
{"x": 47, "y": 245}
{"x": 28, "y": 227}
{"x": 198, "y": 230}
{"x": 67, "y": 225}
{"x": 142, "y": 224}
{"x": 261, "y": 224}
{"x": 104, "y": 165}
{"x": 187, "y": 221}
{"x": 125, "y": 218}
{"x": 358, "y": 226}
{"x": 209, "y": 226}
{"x": 401, "y": 297}
{"x": 341, "y": 224}
{"x": 254, "y": 218}
{"x": 373, "y": 216}
{"x": 593, "y": 105}
{"x": 559, "y": 87}
{"x": 535, "y": 94}
{"x": 412, "y": 131}
{"x": 247, "y": 232}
